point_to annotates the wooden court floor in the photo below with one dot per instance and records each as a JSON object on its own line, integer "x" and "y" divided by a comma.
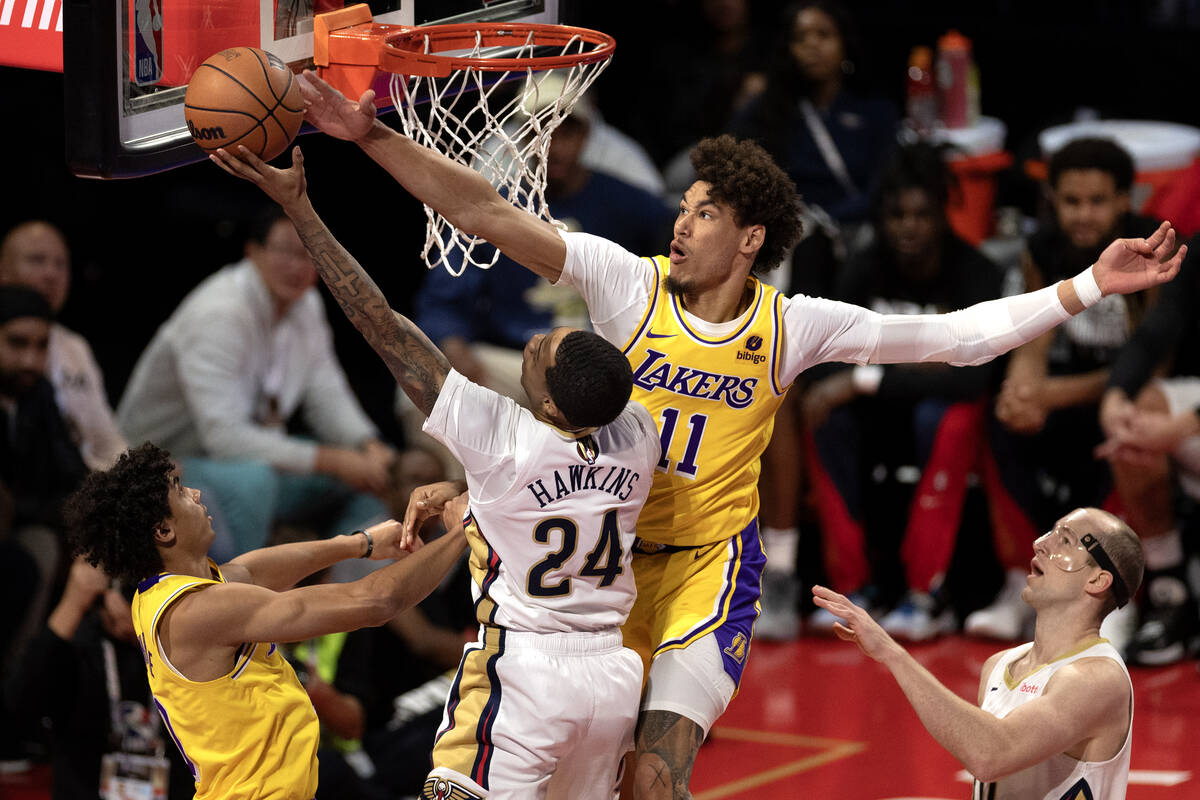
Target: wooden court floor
{"x": 817, "y": 719}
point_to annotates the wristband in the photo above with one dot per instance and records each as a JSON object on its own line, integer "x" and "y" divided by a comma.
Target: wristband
{"x": 1086, "y": 288}
{"x": 370, "y": 544}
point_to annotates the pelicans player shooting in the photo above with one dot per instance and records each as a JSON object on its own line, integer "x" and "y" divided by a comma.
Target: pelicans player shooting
{"x": 547, "y": 698}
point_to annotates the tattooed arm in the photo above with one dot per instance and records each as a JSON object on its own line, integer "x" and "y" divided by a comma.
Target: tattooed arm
{"x": 418, "y": 366}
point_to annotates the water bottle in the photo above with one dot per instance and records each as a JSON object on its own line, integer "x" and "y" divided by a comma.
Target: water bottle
{"x": 921, "y": 105}
{"x": 953, "y": 77}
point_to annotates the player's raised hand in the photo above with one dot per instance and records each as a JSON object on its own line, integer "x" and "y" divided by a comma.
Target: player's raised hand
{"x": 427, "y": 501}
{"x": 285, "y": 186}
{"x": 332, "y": 112}
{"x": 859, "y": 627}
{"x": 1131, "y": 265}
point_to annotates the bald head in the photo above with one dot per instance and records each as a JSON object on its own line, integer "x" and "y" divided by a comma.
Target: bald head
{"x": 1119, "y": 542}
{"x": 34, "y": 254}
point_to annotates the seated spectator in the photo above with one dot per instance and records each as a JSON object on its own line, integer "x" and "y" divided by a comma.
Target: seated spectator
{"x": 714, "y": 60}
{"x": 831, "y": 140}
{"x": 35, "y": 254}
{"x": 1045, "y": 425}
{"x": 1153, "y": 447}
{"x": 86, "y": 674}
{"x": 39, "y": 462}
{"x": 928, "y": 416}
{"x": 482, "y": 319}
{"x": 246, "y": 358}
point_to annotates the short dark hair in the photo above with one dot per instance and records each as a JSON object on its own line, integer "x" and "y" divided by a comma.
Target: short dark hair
{"x": 263, "y": 222}
{"x": 744, "y": 177}
{"x": 919, "y": 165}
{"x": 1093, "y": 153}
{"x": 112, "y": 516}
{"x": 1124, "y": 549}
{"x": 590, "y": 381}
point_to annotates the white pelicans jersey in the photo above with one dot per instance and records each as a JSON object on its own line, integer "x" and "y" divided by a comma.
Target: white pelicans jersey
{"x": 1059, "y": 777}
{"x": 552, "y": 515}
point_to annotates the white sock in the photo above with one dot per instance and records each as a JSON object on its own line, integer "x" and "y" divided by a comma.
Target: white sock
{"x": 1163, "y": 552}
{"x": 781, "y": 545}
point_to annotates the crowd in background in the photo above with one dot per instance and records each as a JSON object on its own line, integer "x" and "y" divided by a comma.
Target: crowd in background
{"x": 918, "y": 490}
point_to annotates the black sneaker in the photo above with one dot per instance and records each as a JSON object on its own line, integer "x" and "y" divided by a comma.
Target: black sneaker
{"x": 1168, "y": 631}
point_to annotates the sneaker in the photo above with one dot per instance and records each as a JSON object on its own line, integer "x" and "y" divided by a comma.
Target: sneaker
{"x": 1007, "y": 617}
{"x": 779, "y": 619}
{"x": 918, "y": 618}
{"x": 821, "y": 621}
{"x": 1167, "y": 635}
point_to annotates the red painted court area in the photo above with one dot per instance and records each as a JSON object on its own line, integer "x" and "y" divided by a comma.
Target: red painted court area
{"x": 817, "y": 719}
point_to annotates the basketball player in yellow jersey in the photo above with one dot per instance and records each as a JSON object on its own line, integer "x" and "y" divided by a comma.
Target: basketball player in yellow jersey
{"x": 230, "y": 702}
{"x": 1055, "y": 716}
{"x": 712, "y": 351}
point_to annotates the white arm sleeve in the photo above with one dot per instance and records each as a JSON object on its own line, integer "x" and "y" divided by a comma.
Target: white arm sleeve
{"x": 820, "y": 330}
{"x": 614, "y": 283}
{"x": 971, "y": 336}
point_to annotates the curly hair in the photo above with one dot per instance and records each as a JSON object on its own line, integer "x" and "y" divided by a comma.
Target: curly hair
{"x": 112, "y": 516}
{"x": 744, "y": 177}
{"x": 591, "y": 380}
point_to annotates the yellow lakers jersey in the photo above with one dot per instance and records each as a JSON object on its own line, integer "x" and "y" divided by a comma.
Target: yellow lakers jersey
{"x": 714, "y": 401}
{"x": 249, "y": 734}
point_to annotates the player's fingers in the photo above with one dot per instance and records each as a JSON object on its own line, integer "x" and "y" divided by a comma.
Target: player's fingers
{"x": 367, "y": 100}
{"x": 245, "y": 154}
{"x": 1164, "y": 249}
{"x": 1156, "y": 238}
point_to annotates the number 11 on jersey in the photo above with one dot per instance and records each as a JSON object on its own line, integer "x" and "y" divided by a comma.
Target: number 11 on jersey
{"x": 686, "y": 466}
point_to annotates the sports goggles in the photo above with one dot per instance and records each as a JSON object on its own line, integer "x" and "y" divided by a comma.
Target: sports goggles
{"x": 1071, "y": 553}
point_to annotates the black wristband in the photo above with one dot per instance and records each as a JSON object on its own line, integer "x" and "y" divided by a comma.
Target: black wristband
{"x": 370, "y": 544}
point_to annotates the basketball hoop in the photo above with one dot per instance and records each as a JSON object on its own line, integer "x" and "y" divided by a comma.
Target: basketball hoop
{"x": 464, "y": 73}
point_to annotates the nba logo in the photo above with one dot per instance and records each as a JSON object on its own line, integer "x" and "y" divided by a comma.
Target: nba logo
{"x": 587, "y": 449}
{"x": 147, "y": 42}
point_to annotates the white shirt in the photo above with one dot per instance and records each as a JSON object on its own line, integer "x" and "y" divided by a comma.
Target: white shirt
{"x": 79, "y": 391}
{"x": 560, "y": 526}
{"x": 204, "y": 384}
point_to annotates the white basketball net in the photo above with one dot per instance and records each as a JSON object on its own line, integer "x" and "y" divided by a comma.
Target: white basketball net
{"x": 507, "y": 144}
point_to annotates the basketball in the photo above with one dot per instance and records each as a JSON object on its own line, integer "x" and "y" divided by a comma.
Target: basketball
{"x": 244, "y": 96}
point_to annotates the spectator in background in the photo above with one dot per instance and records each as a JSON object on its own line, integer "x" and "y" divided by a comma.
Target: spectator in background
{"x": 86, "y": 674}
{"x": 714, "y": 60}
{"x": 830, "y": 140}
{"x": 927, "y": 415}
{"x": 1153, "y": 447}
{"x": 39, "y": 462}
{"x": 246, "y": 358}
{"x": 35, "y": 254}
{"x": 482, "y": 319}
{"x": 1046, "y": 415}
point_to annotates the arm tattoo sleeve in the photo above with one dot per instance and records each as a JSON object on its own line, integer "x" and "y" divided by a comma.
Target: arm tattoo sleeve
{"x": 417, "y": 364}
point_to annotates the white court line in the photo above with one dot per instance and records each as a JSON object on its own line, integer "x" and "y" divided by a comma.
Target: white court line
{"x": 30, "y": 8}
{"x": 47, "y": 12}
{"x": 6, "y": 11}
{"x": 1141, "y": 777}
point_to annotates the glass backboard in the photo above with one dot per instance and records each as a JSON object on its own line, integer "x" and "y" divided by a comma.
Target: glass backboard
{"x": 126, "y": 64}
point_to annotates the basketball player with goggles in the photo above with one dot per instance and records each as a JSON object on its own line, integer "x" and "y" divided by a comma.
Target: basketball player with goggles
{"x": 713, "y": 351}
{"x": 1055, "y": 716}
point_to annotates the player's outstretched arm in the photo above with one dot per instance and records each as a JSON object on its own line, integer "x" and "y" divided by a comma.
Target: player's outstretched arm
{"x": 988, "y": 747}
{"x": 458, "y": 193}
{"x": 230, "y": 613}
{"x": 978, "y": 334}
{"x": 283, "y": 566}
{"x": 418, "y": 366}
